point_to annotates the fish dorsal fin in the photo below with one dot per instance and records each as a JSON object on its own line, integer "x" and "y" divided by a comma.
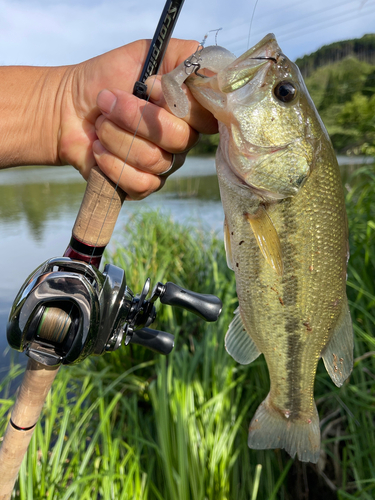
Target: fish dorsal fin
{"x": 227, "y": 245}
{"x": 338, "y": 354}
{"x": 267, "y": 238}
{"x": 238, "y": 342}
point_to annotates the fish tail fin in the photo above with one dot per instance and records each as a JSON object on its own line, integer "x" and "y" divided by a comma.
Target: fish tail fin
{"x": 270, "y": 428}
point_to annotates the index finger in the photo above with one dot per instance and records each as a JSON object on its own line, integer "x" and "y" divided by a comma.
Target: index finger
{"x": 198, "y": 117}
{"x": 147, "y": 120}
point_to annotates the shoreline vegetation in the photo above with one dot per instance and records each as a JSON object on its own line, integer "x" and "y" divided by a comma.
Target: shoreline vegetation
{"x": 140, "y": 426}
{"x": 340, "y": 78}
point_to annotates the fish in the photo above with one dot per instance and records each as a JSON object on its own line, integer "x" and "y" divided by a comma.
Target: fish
{"x": 285, "y": 232}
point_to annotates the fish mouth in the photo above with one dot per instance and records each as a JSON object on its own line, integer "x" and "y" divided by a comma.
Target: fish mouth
{"x": 246, "y": 67}
{"x": 267, "y": 48}
{"x": 278, "y": 58}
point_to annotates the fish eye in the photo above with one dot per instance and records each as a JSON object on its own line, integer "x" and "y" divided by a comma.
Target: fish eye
{"x": 285, "y": 91}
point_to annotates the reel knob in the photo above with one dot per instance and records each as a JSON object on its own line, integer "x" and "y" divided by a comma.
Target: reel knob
{"x": 67, "y": 310}
{"x": 156, "y": 340}
{"x": 207, "y": 307}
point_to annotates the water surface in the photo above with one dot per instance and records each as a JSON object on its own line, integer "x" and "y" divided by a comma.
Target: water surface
{"x": 38, "y": 207}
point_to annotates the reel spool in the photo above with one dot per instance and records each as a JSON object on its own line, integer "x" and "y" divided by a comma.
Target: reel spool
{"x": 67, "y": 310}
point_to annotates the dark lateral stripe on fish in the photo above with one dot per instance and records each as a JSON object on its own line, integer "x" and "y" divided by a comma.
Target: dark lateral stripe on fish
{"x": 290, "y": 299}
{"x": 257, "y": 257}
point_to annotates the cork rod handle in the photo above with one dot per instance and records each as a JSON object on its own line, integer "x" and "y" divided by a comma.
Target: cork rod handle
{"x": 94, "y": 225}
{"x": 32, "y": 393}
{"x": 99, "y": 210}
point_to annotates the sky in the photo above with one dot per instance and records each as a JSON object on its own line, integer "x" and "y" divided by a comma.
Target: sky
{"x": 58, "y": 32}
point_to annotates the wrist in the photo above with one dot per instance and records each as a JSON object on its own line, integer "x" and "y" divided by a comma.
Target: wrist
{"x": 76, "y": 99}
{"x": 30, "y": 100}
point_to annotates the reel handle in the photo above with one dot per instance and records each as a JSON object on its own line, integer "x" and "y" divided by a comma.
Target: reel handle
{"x": 156, "y": 340}
{"x": 207, "y": 307}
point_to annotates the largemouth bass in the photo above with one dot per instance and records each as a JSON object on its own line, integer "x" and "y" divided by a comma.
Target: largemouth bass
{"x": 286, "y": 235}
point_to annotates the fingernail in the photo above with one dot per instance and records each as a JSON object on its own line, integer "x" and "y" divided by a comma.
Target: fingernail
{"x": 97, "y": 148}
{"x": 106, "y": 101}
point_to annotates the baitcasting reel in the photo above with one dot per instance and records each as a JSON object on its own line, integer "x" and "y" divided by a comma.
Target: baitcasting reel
{"x": 67, "y": 310}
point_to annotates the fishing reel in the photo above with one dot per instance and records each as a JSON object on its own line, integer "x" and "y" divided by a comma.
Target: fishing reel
{"x": 67, "y": 310}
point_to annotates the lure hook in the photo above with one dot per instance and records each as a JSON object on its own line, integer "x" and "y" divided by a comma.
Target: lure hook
{"x": 193, "y": 60}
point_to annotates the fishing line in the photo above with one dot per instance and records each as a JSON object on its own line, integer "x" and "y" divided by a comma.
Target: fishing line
{"x": 206, "y": 36}
{"x": 349, "y": 8}
{"x": 162, "y": 34}
{"x": 287, "y": 27}
{"x": 348, "y": 17}
{"x": 317, "y": 11}
{"x": 251, "y": 23}
{"x": 69, "y": 315}
{"x": 122, "y": 169}
{"x": 65, "y": 318}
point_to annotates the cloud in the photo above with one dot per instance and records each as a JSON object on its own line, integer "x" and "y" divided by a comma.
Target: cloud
{"x": 46, "y": 32}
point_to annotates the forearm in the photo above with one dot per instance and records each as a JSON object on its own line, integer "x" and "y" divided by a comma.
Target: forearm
{"x": 30, "y": 104}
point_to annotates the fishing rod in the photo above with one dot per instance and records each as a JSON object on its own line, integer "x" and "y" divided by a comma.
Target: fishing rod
{"x": 68, "y": 310}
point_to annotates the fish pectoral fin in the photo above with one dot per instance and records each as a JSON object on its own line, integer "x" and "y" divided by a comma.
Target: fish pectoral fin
{"x": 227, "y": 245}
{"x": 267, "y": 238}
{"x": 338, "y": 354}
{"x": 238, "y": 342}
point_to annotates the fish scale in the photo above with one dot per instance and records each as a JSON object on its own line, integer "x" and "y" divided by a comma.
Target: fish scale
{"x": 286, "y": 235}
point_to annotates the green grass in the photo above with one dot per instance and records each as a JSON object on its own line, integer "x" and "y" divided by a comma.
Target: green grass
{"x": 136, "y": 425}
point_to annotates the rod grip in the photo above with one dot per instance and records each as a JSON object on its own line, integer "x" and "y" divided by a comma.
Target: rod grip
{"x": 32, "y": 393}
{"x": 99, "y": 210}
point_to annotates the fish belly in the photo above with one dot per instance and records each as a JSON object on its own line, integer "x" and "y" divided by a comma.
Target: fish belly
{"x": 292, "y": 316}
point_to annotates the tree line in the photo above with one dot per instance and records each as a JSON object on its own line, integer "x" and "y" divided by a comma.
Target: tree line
{"x": 362, "y": 49}
{"x": 341, "y": 80}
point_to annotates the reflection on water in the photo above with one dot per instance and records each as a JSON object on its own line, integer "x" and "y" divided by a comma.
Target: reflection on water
{"x": 201, "y": 188}
{"x": 37, "y": 196}
{"x": 38, "y": 206}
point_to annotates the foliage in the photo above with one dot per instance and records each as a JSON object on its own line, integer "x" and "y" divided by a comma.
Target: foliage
{"x": 135, "y": 425}
{"x": 357, "y": 118}
{"x": 341, "y": 81}
{"x": 360, "y": 48}
{"x": 343, "y": 93}
{"x": 207, "y": 145}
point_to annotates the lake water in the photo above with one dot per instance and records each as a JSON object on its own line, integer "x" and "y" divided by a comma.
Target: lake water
{"x": 38, "y": 207}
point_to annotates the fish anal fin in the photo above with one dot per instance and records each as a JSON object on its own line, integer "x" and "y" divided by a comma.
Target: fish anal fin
{"x": 238, "y": 342}
{"x": 227, "y": 245}
{"x": 267, "y": 238}
{"x": 338, "y": 354}
{"x": 270, "y": 429}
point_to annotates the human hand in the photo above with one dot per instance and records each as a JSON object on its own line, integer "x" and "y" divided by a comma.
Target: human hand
{"x": 100, "y": 116}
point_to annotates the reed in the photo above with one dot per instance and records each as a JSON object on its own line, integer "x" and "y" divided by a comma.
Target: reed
{"x": 135, "y": 425}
